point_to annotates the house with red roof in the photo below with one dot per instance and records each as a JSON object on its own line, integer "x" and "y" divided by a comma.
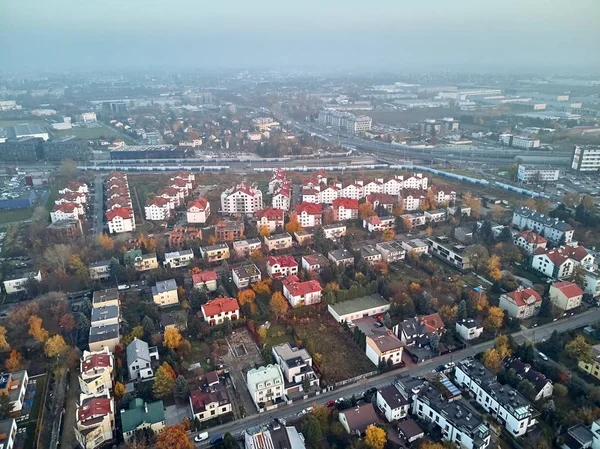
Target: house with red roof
{"x": 443, "y": 194}
{"x": 310, "y": 196}
{"x": 411, "y": 199}
{"x": 95, "y": 420}
{"x": 205, "y": 279}
{"x": 184, "y": 186}
{"x": 172, "y": 194}
{"x": 198, "y": 210}
{"x": 71, "y": 197}
{"x": 282, "y": 195}
{"x": 270, "y": 218}
{"x": 381, "y": 199}
{"x": 559, "y": 263}
{"x": 120, "y": 220}
{"x": 211, "y": 403}
{"x": 157, "y": 209}
{"x": 314, "y": 263}
{"x": 281, "y": 266}
{"x": 118, "y": 201}
{"x": 328, "y": 194}
{"x": 66, "y": 211}
{"x": 75, "y": 187}
{"x": 301, "y": 293}
{"x": 522, "y": 303}
{"x": 565, "y": 295}
{"x": 353, "y": 191}
{"x": 96, "y": 372}
{"x": 371, "y": 187}
{"x": 530, "y": 241}
{"x": 379, "y": 224}
{"x": 216, "y": 310}
{"x": 345, "y": 209}
{"x": 309, "y": 214}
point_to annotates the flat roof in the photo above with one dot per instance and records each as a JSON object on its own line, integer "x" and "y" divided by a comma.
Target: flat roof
{"x": 356, "y": 305}
{"x": 110, "y": 294}
{"x": 142, "y": 148}
{"x": 103, "y": 333}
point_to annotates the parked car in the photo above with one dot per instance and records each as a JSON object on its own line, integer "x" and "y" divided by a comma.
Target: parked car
{"x": 201, "y": 437}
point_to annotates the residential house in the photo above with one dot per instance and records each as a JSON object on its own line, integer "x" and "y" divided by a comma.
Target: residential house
{"x": 206, "y": 405}
{"x": 105, "y": 298}
{"x": 140, "y": 358}
{"x": 328, "y": 194}
{"x": 462, "y": 210}
{"x": 414, "y": 220}
{"x": 141, "y": 415}
{"x": 181, "y": 236}
{"x": 269, "y": 218}
{"x": 341, "y": 257}
{"x": 392, "y": 404}
{"x": 314, "y": 263}
{"x": 412, "y": 199}
{"x": 103, "y": 316}
{"x": 66, "y": 211}
{"x": 244, "y": 275}
{"x": 356, "y": 420}
{"x": 370, "y": 254}
{"x": 556, "y": 231}
{"x": 120, "y": 220}
{"x": 217, "y": 310}
{"x": 591, "y": 284}
{"x": 179, "y": 259}
{"x": 565, "y": 295}
{"x": 542, "y": 385}
{"x": 450, "y": 252}
{"x": 469, "y": 329}
{"x": 157, "y": 209}
{"x": 176, "y": 319}
{"x": 229, "y": 230}
{"x": 99, "y": 270}
{"x": 96, "y": 372}
{"x": 435, "y": 216}
{"x": 345, "y": 209}
{"x": 281, "y": 266}
{"x": 198, "y": 210}
{"x": 296, "y": 366}
{"x": 301, "y": 293}
{"x": 304, "y": 237}
{"x": 244, "y": 248}
{"x": 282, "y": 197}
{"x": 381, "y": 199}
{"x": 145, "y": 262}
{"x": 410, "y": 430}
{"x": 530, "y": 241}
{"x": 391, "y": 251}
{"x": 17, "y": 282}
{"x": 101, "y": 337}
{"x": 215, "y": 253}
{"x": 443, "y": 194}
{"x": 592, "y": 367}
{"x": 522, "y": 303}
{"x": 415, "y": 246}
{"x": 266, "y": 385}
{"x": 241, "y": 199}
{"x": 278, "y": 242}
{"x": 205, "y": 279}
{"x": 14, "y": 385}
{"x": 353, "y": 191}
{"x": 264, "y": 436}
{"x": 309, "y": 214}
{"x": 334, "y": 231}
{"x": 559, "y": 263}
{"x": 95, "y": 421}
{"x": 164, "y": 293}
{"x": 417, "y": 330}
{"x": 379, "y": 224}
{"x": 382, "y": 346}
{"x": 354, "y": 309}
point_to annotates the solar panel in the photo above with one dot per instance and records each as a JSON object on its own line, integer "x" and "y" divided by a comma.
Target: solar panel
{"x": 454, "y": 391}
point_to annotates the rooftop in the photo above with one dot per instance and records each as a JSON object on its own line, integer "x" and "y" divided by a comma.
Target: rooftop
{"x": 359, "y": 304}
{"x": 164, "y": 286}
{"x": 103, "y": 333}
{"x": 100, "y": 296}
{"x": 140, "y": 413}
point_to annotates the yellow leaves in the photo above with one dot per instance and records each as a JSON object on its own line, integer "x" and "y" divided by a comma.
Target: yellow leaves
{"x": 54, "y": 346}
{"x": 14, "y": 362}
{"x": 388, "y": 235}
{"x": 172, "y": 338}
{"x": 246, "y": 297}
{"x": 4, "y": 346}
{"x": 278, "y": 304}
{"x": 492, "y": 360}
{"x": 365, "y": 210}
{"x": 119, "y": 390}
{"x": 106, "y": 242}
{"x": 262, "y": 287}
{"x": 414, "y": 287}
{"x": 502, "y": 346}
{"x": 264, "y": 231}
{"x": 212, "y": 240}
{"x": 375, "y": 437}
{"x": 493, "y": 267}
{"x": 293, "y": 225}
{"x": 397, "y": 209}
{"x": 36, "y": 329}
{"x": 495, "y": 317}
{"x": 262, "y": 333}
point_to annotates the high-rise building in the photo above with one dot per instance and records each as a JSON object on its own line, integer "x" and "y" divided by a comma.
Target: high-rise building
{"x": 586, "y": 158}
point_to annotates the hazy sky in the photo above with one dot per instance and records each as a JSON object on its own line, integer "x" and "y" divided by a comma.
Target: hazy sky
{"x": 386, "y": 34}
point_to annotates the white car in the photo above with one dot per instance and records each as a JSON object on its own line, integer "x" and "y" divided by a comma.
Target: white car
{"x": 201, "y": 437}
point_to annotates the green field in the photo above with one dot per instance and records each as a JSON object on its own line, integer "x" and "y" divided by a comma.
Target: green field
{"x": 15, "y": 215}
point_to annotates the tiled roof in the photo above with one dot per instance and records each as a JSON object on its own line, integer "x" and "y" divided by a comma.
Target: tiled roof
{"x": 432, "y": 322}
{"x": 346, "y": 203}
{"x": 532, "y": 237}
{"x": 200, "y": 399}
{"x": 65, "y": 207}
{"x": 569, "y": 289}
{"x": 297, "y": 288}
{"x": 200, "y": 203}
{"x": 219, "y": 305}
{"x": 93, "y": 407}
{"x": 309, "y": 208}
{"x": 520, "y": 295}
{"x": 122, "y": 212}
{"x": 270, "y": 214}
{"x": 157, "y": 201}
{"x": 205, "y": 276}
{"x": 284, "y": 261}
{"x": 96, "y": 361}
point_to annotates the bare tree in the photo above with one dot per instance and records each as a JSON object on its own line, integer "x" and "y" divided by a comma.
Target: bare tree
{"x": 57, "y": 256}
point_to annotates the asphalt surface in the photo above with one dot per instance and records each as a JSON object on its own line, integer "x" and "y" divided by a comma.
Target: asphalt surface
{"x": 236, "y": 428}
{"x": 98, "y": 205}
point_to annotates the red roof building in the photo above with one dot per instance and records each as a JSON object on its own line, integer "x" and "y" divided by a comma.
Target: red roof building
{"x": 199, "y": 203}
{"x": 215, "y": 311}
{"x": 123, "y": 212}
{"x": 566, "y": 295}
{"x": 345, "y": 209}
{"x": 301, "y": 293}
{"x": 281, "y": 266}
{"x": 522, "y": 303}
{"x": 205, "y": 276}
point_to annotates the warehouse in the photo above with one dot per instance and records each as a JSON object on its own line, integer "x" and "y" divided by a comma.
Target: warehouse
{"x": 149, "y": 152}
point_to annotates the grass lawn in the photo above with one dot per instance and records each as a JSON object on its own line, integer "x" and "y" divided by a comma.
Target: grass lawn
{"x": 278, "y": 334}
{"x": 200, "y": 352}
{"x": 338, "y": 356}
{"x": 10, "y": 216}
{"x": 402, "y": 272}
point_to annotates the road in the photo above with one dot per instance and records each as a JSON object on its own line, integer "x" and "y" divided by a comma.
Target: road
{"x": 98, "y": 205}
{"x": 538, "y": 334}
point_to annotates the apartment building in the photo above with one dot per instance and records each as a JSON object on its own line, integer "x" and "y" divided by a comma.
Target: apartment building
{"x": 469, "y": 329}
{"x": 281, "y": 266}
{"x": 522, "y": 303}
{"x": 245, "y": 275}
{"x": 241, "y": 200}
{"x": 435, "y": 216}
{"x": 530, "y": 241}
{"x": 198, "y": 210}
{"x": 210, "y": 403}
{"x": 164, "y": 293}
{"x": 314, "y": 263}
{"x": 157, "y": 209}
{"x": 370, "y": 254}
{"x": 392, "y": 404}
{"x": 243, "y": 248}
{"x": 532, "y": 174}
{"x": 586, "y": 158}
{"x": 344, "y": 121}
{"x": 14, "y": 385}
{"x": 96, "y": 372}
{"x": 103, "y": 316}
{"x": 379, "y": 224}
{"x": 105, "y": 336}
{"x": 95, "y": 421}
{"x": 382, "y": 346}
{"x": 278, "y": 242}
{"x": 17, "y": 282}
{"x": 559, "y": 263}
{"x": 334, "y": 231}
{"x": 229, "y": 230}
{"x": 141, "y": 415}
{"x": 66, "y": 211}
{"x": 345, "y": 209}
{"x": 451, "y": 252}
{"x": 266, "y": 385}
{"x": 120, "y": 220}
{"x": 215, "y": 253}
{"x": 301, "y": 293}
{"x": 269, "y": 218}
{"x": 179, "y": 259}
{"x": 392, "y": 251}
{"x": 341, "y": 257}
{"x": 309, "y": 214}
{"x": 296, "y": 367}
{"x": 414, "y": 220}
{"x": 554, "y": 230}
{"x": 217, "y": 310}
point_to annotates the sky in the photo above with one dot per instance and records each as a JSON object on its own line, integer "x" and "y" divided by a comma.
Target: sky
{"x": 464, "y": 35}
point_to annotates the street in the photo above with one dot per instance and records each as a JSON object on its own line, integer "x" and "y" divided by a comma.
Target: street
{"x": 537, "y": 334}
{"x": 98, "y": 221}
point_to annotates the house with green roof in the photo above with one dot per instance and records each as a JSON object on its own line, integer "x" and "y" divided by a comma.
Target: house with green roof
{"x": 142, "y": 415}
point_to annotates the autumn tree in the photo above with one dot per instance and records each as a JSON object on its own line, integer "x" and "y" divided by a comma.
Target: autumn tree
{"x": 119, "y": 390}
{"x": 54, "y": 346}
{"x": 492, "y": 360}
{"x": 398, "y": 209}
{"x": 478, "y": 300}
{"x": 477, "y": 255}
{"x": 293, "y": 225}
{"x": 211, "y": 240}
{"x": 67, "y": 322}
{"x": 246, "y": 297}
{"x": 264, "y": 231}
{"x": 328, "y": 216}
{"x": 495, "y": 318}
{"x": 36, "y": 330}
{"x": 106, "y": 242}
{"x": 4, "y": 346}
{"x": 172, "y": 338}
{"x": 174, "y": 437}
{"x": 57, "y": 256}
{"x": 14, "y": 362}
{"x": 579, "y": 349}
{"x": 388, "y": 235}
{"x": 278, "y": 304}
{"x": 375, "y": 437}
{"x": 77, "y": 266}
{"x": 262, "y": 333}
{"x": 365, "y": 210}
{"x": 493, "y": 267}
{"x": 473, "y": 203}
{"x": 502, "y": 346}
{"x": 431, "y": 445}
{"x": 164, "y": 381}
{"x": 262, "y": 287}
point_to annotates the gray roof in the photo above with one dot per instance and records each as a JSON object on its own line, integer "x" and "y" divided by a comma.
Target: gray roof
{"x": 546, "y": 220}
{"x": 341, "y": 254}
{"x": 392, "y": 397}
{"x": 26, "y": 129}
{"x": 104, "y": 313}
{"x": 368, "y": 250}
{"x": 103, "y": 333}
{"x": 109, "y": 294}
{"x": 137, "y": 349}
{"x": 164, "y": 286}
{"x": 358, "y": 304}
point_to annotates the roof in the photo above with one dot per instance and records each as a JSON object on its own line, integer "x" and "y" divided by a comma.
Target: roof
{"x": 519, "y": 296}
{"x": 409, "y": 428}
{"x": 546, "y": 220}
{"x": 392, "y": 397}
{"x": 104, "y": 313}
{"x": 220, "y": 305}
{"x": 100, "y": 296}
{"x": 137, "y": 349}
{"x": 174, "y": 318}
{"x": 140, "y": 413}
{"x": 263, "y": 374}
{"x": 309, "y": 208}
{"x": 381, "y": 198}
{"x": 296, "y": 288}
{"x": 346, "y": 203}
{"x": 532, "y": 237}
{"x": 361, "y": 417}
{"x": 358, "y": 304}
{"x": 93, "y": 407}
{"x": 284, "y": 235}
{"x": 6, "y": 427}
{"x": 103, "y": 333}
{"x": 157, "y": 201}
{"x": 205, "y": 276}
{"x": 201, "y": 399}
{"x": 199, "y": 203}
{"x": 96, "y": 361}
{"x": 291, "y": 355}
{"x": 569, "y": 289}
{"x": 316, "y": 259}
{"x": 432, "y": 323}
{"x": 164, "y": 286}
{"x": 341, "y": 254}
{"x": 122, "y": 212}
{"x": 270, "y": 214}
{"x": 66, "y": 207}
{"x": 246, "y": 271}
{"x": 283, "y": 261}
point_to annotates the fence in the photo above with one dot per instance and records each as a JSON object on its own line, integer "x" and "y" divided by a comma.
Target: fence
{"x": 355, "y": 379}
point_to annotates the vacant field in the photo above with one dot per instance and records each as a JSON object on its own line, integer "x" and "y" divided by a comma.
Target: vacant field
{"x": 334, "y": 352}
{"x": 278, "y": 334}
{"x": 15, "y": 215}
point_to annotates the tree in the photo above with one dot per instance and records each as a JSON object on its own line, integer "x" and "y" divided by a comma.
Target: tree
{"x": 313, "y": 431}
{"x": 264, "y": 231}
{"x": 262, "y": 333}
{"x": 546, "y": 308}
{"x": 36, "y": 330}
{"x": 106, "y": 242}
{"x": 181, "y": 390}
{"x": 375, "y": 437}
{"x": 495, "y": 318}
{"x": 293, "y": 225}
{"x": 502, "y": 346}
{"x": 388, "y": 235}
{"x": 77, "y": 266}
{"x": 477, "y": 256}
{"x": 172, "y": 338}
{"x": 434, "y": 342}
{"x": 560, "y": 390}
{"x": 4, "y": 346}
{"x": 54, "y": 346}
{"x": 148, "y": 325}
{"x": 493, "y": 267}
{"x": 174, "y": 437}
{"x": 57, "y": 257}
{"x": 14, "y": 362}
{"x": 578, "y": 276}
{"x": 579, "y": 349}
{"x": 527, "y": 389}
{"x": 398, "y": 209}
{"x": 278, "y": 304}
{"x": 431, "y": 445}
{"x": 246, "y": 297}
{"x": 67, "y": 322}
{"x": 462, "y": 313}
{"x": 492, "y": 360}
{"x": 262, "y": 287}
{"x": 542, "y": 205}
{"x": 588, "y": 202}
{"x": 6, "y": 406}
{"x": 365, "y": 210}
{"x": 119, "y": 390}
{"x": 163, "y": 382}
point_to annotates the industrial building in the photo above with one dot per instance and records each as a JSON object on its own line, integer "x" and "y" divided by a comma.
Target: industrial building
{"x": 149, "y": 152}
{"x": 66, "y": 148}
{"x": 21, "y": 149}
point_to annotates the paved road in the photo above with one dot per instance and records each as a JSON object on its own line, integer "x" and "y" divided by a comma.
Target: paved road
{"x": 538, "y": 334}
{"x": 98, "y": 205}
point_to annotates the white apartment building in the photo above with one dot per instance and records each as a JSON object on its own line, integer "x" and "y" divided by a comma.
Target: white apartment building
{"x": 334, "y": 231}
{"x": 198, "y": 210}
{"x": 591, "y": 283}
{"x": 469, "y": 329}
{"x": 344, "y": 121}
{"x": 502, "y": 401}
{"x": 391, "y": 402}
{"x": 96, "y": 372}
{"x": 379, "y": 224}
{"x": 530, "y": 241}
{"x": 219, "y": 309}
{"x": 242, "y": 199}
{"x": 301, "y": 293}
{"x": 328, "y": 194}
{"x": 586, "y": 158}
{"x": 281, "y": 200}
{"x": 278, "y": 242}
{"x": 14, "y": 385}
{"x": 244, "y": 275}
{"x": 559, "y": 263}
{"x": 66, "y": 211}
{"x": 266, "y": 385}
{"x": 309, "y": 214}
{"x": 554, "y": 230}
{"x": 95, "y": 421}
{"x": 352, "y": 191}
{"x": 157, "y": 209}
{"x": 120, "y": 220}
{"x": 530, "y": 173}
{"x": 345, "y": 209}
{"x": 296, "y": 366}
{"x": 281, "y": 266}
{"x": 178, "y": 259}
{"x": 18, "y": 281}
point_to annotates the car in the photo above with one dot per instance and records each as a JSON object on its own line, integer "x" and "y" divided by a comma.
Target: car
{"x": 307, "y": 410}
{"x": 217, "y": 439}
{"x": 331, "y": 403}
{"x": 378, "y": 324}
{"x": 542, "y": 356}
{"x": 201, "y": 437}
{"x": 339, "y": 400}
{"x": 439, "y": 368}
